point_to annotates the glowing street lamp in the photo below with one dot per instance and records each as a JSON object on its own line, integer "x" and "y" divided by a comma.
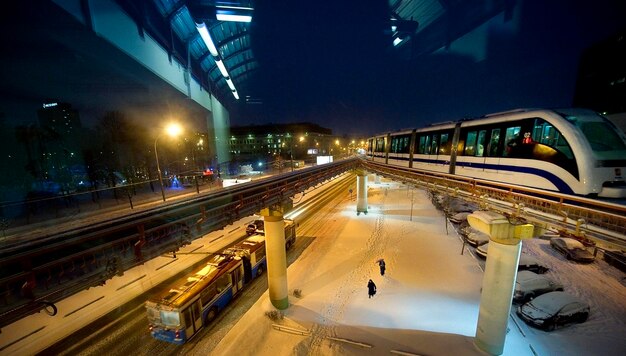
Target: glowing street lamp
{"x": 172, "y": 130}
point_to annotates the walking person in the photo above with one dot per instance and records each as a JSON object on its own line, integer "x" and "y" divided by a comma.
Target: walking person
{"x": 371, "y": 288}
{"x": 381, "y": 264}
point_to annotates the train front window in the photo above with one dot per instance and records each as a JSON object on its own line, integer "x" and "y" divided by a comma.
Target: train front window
{"x": 546, "y": 134}
{"x": 605, "y": 139}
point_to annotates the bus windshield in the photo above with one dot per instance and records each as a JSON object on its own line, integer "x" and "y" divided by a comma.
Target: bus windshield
{"x": 603, "y": 136}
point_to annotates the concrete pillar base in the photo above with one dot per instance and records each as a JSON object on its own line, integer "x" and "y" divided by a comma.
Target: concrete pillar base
{"x": 361, "y": 192}
{"x": 276, "y": 255}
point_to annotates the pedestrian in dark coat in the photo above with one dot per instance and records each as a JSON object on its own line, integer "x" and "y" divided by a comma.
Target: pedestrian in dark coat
{"x": 381, "y": 264}
{"x": 371, "y": 288}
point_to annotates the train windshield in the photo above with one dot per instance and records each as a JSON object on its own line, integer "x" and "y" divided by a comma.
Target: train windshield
{"x": 604, "y": 137}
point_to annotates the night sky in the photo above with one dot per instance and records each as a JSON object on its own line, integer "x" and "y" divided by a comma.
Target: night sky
{"x": 330, "y": 63}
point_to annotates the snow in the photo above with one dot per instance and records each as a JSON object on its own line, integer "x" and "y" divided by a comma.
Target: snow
{"x": 427, "y": 303}
{"x": 428, "y": 300}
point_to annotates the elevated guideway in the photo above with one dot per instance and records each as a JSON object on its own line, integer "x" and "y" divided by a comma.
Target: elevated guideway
{"x": 591, "y": 221}
{"x": 39, "y": 271}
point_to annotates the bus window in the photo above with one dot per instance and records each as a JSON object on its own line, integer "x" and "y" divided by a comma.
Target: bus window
{"x": 494, "y": 142}
{"x": 222, "y": 283}
{"x": 170, "y": 318}
{"x": 470, "y": 143}
{"x": 480, "y": 143}
{"x": 208, "y": 294}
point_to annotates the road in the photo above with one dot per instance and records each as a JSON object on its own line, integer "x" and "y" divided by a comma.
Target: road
{"x": 121, "y": 331}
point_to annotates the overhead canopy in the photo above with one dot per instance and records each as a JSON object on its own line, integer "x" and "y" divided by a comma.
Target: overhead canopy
{"x": 416, "y": 27}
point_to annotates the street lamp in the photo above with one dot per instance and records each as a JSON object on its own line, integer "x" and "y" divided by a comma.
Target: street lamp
{"x": 173, "y": 130}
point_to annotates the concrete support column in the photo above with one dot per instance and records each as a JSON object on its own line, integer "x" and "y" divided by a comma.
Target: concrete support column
{"x": 361, "y": 192}
{"x": 496, "y": 296}
{"x": 505, "y": 234}
{"x": 276, "y": 260}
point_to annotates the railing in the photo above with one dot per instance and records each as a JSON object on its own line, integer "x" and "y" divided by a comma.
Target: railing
{"x": 579, "y": 216}
{"x": 39, "y": 269}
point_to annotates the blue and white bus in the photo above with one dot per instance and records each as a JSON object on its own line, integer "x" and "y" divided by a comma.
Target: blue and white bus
{"x": 177, "y": 313}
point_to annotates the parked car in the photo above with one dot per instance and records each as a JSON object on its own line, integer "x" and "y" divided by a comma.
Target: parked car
{"x": 529, "y": 263}
{"x": 616, "y": 259}
{"x": 525, "y": 263}
{"x": 482, "y": 250}
{"x": 477, "y": 238}
{"x": 572, "y": 249}
{"x": 459, "y": 217}
{"x": 529, "y": 285}
{"x": 255, "y": 227}
{"x": 550, "y": 310}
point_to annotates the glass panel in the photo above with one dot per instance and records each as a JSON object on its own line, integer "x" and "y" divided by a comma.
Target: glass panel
{"x": 435, "y": 144}
{"x": 480, "y": 144}
{"x": 470, "y": 143}
{"x": 223, "y": 282}
{"x": 444, "y": 147}
{"x": 512, "y": 140}
{"x": 493, "y": 143}
{"x": 422, "y": 145}
{"x": 170, "y": 318}
{"x": 427, "y": 145}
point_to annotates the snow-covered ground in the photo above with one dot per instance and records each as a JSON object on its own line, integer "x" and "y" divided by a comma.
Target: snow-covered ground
{"x": 427, "y": 302}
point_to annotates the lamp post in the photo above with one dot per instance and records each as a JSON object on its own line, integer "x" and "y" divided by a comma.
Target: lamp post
{"x": 172, "y": 130}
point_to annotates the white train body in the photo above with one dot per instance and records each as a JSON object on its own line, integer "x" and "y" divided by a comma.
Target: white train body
{"x": 572, "y": 151}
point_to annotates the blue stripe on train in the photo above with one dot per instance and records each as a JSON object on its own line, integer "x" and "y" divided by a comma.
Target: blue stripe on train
{"x": 554, "y": 179}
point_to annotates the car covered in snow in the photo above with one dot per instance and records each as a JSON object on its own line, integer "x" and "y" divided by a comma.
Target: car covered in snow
{"x": 482, "y": 250}
{"x": 255, "y": 227}
{"x": 459, "y": 217}
{"x": 572, "y": 249}
{"x": 551, "y": 310}
{"x": 477, "y": 238}
{"x": 529, "y": 285}
{"x": 530, "y": 263}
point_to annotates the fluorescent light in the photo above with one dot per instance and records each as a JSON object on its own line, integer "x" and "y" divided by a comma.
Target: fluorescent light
{"x": 394, "y": 28}
{"x": 234, "y": 14}
{"x": 235, "y": 94}
{"x": 233, "y": 18}
{"x": 396, "y": 41}
{"x": 230, "y": 84}
{"x": 220, "y": 66}
{"x": 204, "y": 33}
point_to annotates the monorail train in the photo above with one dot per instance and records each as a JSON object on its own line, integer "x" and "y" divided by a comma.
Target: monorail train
{"x": 572, "y": 151}
{"x": 180, "y": 311}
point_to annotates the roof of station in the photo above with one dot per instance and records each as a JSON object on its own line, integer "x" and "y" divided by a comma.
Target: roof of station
{"x": 416, "y": 27}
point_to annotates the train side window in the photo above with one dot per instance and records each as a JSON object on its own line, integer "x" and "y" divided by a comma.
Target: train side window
{"x": 427, "y": 145}
{"x": 435, "y": 144}
{"x": 470, "y": 143}
{"x": 422, "y": 144}
{"x": 494, "y": 143}
{"x": 512, "y": 139}
{"x": 480, "y": 143}
{"x": 445, "y": 144}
